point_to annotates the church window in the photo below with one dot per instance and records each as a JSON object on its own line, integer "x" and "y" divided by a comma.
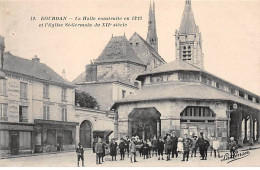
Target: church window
{"x": 123, "y": 93}
{"x": 257, "y": 100}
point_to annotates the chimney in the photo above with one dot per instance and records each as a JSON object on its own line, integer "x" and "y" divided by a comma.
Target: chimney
{"x": 35, "y": 59}
{"x": 2, "y": 50}
{"x": 64, "y": 74}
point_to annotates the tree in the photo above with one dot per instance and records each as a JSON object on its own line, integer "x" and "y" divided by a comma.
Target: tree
{"x": 84, "y": 99}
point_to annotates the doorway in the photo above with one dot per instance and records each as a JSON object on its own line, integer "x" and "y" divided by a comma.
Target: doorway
{"x": 14, "y": 142}
{"x": 85, "y": 134}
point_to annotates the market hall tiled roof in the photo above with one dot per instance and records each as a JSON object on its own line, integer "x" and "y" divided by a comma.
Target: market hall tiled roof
{"x": 183, "y": 91}
{"x": 118, "y": 49}
{"x": 175, "y": 65}
{"x": 33, "y": 68}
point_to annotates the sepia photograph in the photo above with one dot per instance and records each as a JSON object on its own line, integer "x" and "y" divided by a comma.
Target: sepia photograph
{"x": 129, "y": 83}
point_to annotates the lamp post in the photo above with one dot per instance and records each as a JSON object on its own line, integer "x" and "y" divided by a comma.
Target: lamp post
{"x": 234, "y": 107}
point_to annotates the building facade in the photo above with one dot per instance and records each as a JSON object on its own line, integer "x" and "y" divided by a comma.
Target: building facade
{"x": 37, "y": 107}
{"x": 181, "y": 96}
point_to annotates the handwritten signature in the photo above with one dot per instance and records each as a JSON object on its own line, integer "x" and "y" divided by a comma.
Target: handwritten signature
{"x": 237, "y": 156}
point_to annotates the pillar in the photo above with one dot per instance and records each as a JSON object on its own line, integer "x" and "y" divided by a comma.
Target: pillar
{"x": 245, "y": 139}
{"x": 116, "y": 125}
{"x": 251, "y": 142}
{"x": 239, "y": 130}
{"x": 258, "y": 126}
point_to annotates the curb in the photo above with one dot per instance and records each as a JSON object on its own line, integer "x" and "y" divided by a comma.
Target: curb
{"x": 40, "y": 154}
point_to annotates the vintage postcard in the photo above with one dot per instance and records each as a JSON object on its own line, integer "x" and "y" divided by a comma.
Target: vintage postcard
{"x": 122, "y": 83}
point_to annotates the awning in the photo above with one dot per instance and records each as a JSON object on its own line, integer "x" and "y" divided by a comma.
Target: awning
{"x": 105, "y": 132}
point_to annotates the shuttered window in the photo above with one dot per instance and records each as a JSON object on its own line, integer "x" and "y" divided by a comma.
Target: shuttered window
{"x": 46, "y": 112}
{"x": 23, "y": 90}
{"x": 2, "y": 87}
{"x": 4, "y": 139}
{"x": 25, "y": 140}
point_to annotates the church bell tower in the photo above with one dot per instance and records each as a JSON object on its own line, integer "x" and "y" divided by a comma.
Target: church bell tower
{"x": 188, "y": 41}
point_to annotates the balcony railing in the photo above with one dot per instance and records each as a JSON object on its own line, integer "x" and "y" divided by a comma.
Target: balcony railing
{"x": 23, "y": 119}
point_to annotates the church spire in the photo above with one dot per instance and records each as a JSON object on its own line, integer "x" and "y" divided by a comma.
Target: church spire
{"x": 151, "y": 34}
{"x": 188, "y": 24}
{"x": 188, "y": 39}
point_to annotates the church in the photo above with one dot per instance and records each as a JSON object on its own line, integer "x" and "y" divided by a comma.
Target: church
{"x": 112, "y": 76}
{"x": 181, "y": 96}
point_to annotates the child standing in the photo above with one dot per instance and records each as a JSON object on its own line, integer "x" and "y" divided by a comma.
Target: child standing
{"x": 160, "y": 146}
{"x": 180, "y": 146}
{"x": 80, "y": 153}
{"x": 186, "y": 147}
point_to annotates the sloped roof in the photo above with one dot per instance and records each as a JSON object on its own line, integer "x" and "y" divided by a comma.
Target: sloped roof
{"x": 172, "y": 66}
{"x": 150, "y": 48}
{"x": 182, "y": 90}
{"x": 118, "y": 49}
{"x": 188, "y": 24}
{"x": 32, "y": 68}
{"x": 80, "y": 79}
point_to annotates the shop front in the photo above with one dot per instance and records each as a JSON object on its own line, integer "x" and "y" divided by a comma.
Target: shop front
{"x": 16, "y": 138}
{"x": 53, "y": 136}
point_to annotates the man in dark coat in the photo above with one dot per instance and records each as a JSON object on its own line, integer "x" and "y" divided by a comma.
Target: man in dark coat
{"x": 122, "y": 148}
{"x": 113, "y": 149}
{"x": 127, "y": 142}
{"x": 174, "y": 144}
{"x": 154, "y": 146}
{"x": 80, "y": 153}
{"x": 201, "y": 143}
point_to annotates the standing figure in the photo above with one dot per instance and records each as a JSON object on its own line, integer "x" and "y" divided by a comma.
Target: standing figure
{"x": 149, "y": 143}
{"x": 207, "y": 144}
{"x": 122, "y": 148}
{"x": 145, "y": 150}
{"x": 186, "y": 147}
{"x": 113, "y": 149}
{"x": 232, "y": 147}
{"x": 104, "y": 145}
{"x": 215, "y": 145}
{"x": 174, "y": 145}
{"x": 127, "y": 141}
{"x": 99, "y": 151}
{"x": 160, "y": 146}
{"x": 168, "y": 147}
{"x": 211, "y": 145}
{"x": 202, "y": 144}
{"x": 132, "y": 149}
{"x": 193, "y": 147}
{"x": 80, "y": 154}
{"x": 154, "y": 146}
{"x": 180, "y": 145}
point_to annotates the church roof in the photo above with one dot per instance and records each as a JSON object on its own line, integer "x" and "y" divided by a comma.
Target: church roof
{"x": 188, "y": 24}
{"x": 118, "y": 49}
{"x": 149, "y": 47}
{"x": 183, "y": 91}
{"x": 32, "y": 68}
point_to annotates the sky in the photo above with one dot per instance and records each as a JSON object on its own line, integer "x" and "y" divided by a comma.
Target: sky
{"x": 230, "y": 31}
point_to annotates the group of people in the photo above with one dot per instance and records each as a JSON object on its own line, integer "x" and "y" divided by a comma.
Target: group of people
{"x": 171, "y": 145}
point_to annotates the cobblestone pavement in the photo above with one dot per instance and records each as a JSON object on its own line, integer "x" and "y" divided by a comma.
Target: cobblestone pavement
{"x": 69, "y": 160}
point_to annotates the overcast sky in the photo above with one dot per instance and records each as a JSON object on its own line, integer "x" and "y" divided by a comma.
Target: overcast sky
{"x": 230, "y": 32}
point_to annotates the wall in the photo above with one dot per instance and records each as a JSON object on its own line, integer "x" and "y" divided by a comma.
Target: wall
{"x": 102, "y": 92}
{"x": 100, "y": 120}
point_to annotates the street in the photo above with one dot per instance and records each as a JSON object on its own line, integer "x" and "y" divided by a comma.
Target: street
{"x": 69, "y": 159}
